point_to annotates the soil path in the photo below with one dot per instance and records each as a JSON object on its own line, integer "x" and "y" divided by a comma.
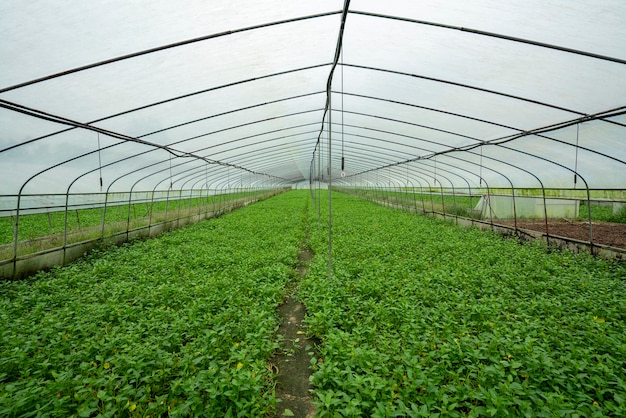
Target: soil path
{"x": 611, "y": 234}
{"x": 293, "y": 360}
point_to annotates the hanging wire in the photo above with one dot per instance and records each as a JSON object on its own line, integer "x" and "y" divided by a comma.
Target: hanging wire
{"x": 99, "y": 161}
{"x": 480, "y": 167}
{"x": 576, "y": 155}
{"x": 407, "y": 174}
{"x": 319, "y": 188}
{"x": 171, "y": 182}
{"x": 343, "y": 160}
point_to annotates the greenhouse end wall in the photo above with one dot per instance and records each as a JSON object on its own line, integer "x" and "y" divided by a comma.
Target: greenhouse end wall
{"x": 504, "y": 207}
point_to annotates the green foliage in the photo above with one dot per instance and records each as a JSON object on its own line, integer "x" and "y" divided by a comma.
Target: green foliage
{"x": 602, "y": 213}
{"x": 463, "y": 205}
{"x": 412, "y": 199}
{"x": 425, "y": 319}
{"x": 43, "y": 231}
{"x": 420, "y": 319}
{"x": 182, "y": 325}
{"x": 619, "y": 217}
{"x": 45, "y": 224}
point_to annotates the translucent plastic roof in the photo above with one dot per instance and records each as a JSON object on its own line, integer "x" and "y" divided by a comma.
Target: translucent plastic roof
{"x": 146, "y": 94}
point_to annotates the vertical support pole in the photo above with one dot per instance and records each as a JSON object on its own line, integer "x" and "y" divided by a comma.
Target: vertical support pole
{"x": 455, "y": 210}
{"x": 189, "y": 209}
{"x": 201, "y": 202}
{"x": 576, "y": 158}
{"x": 330, "y": 190}
{"x": 432, "y": 200}
{"x": 151, "y": 212}
{"x": 104, "y": 214}
{"x": 179, "y": 206}
{"x": 227, "y": 203}
{"x": 390, "y": 192}
{"x": 514, "y": 208}
{"x": 16, "y": 233}
{"x": 130, "y": 204}
{"x": 67, "y": 204}
{"x": 488, "y": 203}
{"x": 319, "y": 187}
{"x": 422, "y": 199}
{"x": 443, "y": 203}
{"x": 545, "y": 213}
{"x": 589, "y": 217}
{"x": 167, "y": 207}
{"x": 471, "y": 203}
{"x": 407, "y": 198}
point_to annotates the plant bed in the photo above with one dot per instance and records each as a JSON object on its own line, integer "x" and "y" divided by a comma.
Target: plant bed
{"x": 181, "y": 325}
{"x": 611, "y": 234}
{"x": 423, "y": 318}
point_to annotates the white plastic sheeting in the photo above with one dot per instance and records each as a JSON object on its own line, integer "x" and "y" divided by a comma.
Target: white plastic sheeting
{"x": 145, "y": 94}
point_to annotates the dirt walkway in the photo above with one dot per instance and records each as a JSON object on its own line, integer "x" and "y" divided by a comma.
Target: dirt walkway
{"x": 293, "y": 360}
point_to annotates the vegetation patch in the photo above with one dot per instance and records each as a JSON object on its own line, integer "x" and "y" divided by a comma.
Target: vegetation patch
{"x": 422, "y": 318}
{"x": 182, "y": 325}
{"x": 45, "y": 231}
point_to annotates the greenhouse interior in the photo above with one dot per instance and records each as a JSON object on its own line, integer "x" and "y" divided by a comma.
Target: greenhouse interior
{"x": 327, "y": 208}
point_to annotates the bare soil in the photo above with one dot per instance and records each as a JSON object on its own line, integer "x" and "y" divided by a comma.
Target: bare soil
{"x": 293, "y": 360}
{"x": 605, "y": 233}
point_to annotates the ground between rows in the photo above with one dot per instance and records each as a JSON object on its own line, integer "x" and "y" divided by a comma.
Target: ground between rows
{"x": 293, "y": 360}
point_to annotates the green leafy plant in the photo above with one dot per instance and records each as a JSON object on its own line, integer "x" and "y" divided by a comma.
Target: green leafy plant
{"x": 419, "y": 319}
{"x": 422, "y": 318}
{"x": 182, "y": 325}
{"x": 44, "y": 231}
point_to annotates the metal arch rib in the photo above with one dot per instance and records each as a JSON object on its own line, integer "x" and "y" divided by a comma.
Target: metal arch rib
{"x": 494, "y": 35}
{"x": 179, "y": 98}
{"x": 467, "y": 86}
{"x": 162, "y": 48}
{"x": 519, "y": 133}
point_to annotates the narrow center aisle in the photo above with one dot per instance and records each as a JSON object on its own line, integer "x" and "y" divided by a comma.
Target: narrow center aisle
{"x": 293, "y": 360}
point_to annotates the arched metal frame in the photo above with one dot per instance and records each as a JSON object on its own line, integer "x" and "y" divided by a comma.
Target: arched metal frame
{"x": 269, "y": 157}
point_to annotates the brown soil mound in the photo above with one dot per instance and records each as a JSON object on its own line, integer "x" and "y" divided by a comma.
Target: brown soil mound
{"x": 610, "y": 234}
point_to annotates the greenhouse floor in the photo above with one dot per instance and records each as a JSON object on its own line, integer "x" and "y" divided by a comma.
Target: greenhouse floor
{"x": 611, "y": 234}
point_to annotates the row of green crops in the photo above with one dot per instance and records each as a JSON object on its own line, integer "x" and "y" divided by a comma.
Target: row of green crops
{"x": 181, "y": 325}
{"x": 463, "y": 205}
{"x": 602, "y": 213}
{"x": 39, "y": 225}
{"x": 423, "y": 318}
{"x": 420, "y": 319}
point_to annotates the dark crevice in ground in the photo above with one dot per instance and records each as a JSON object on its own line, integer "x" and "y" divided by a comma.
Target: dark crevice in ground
{"x": 293, "y": 360}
